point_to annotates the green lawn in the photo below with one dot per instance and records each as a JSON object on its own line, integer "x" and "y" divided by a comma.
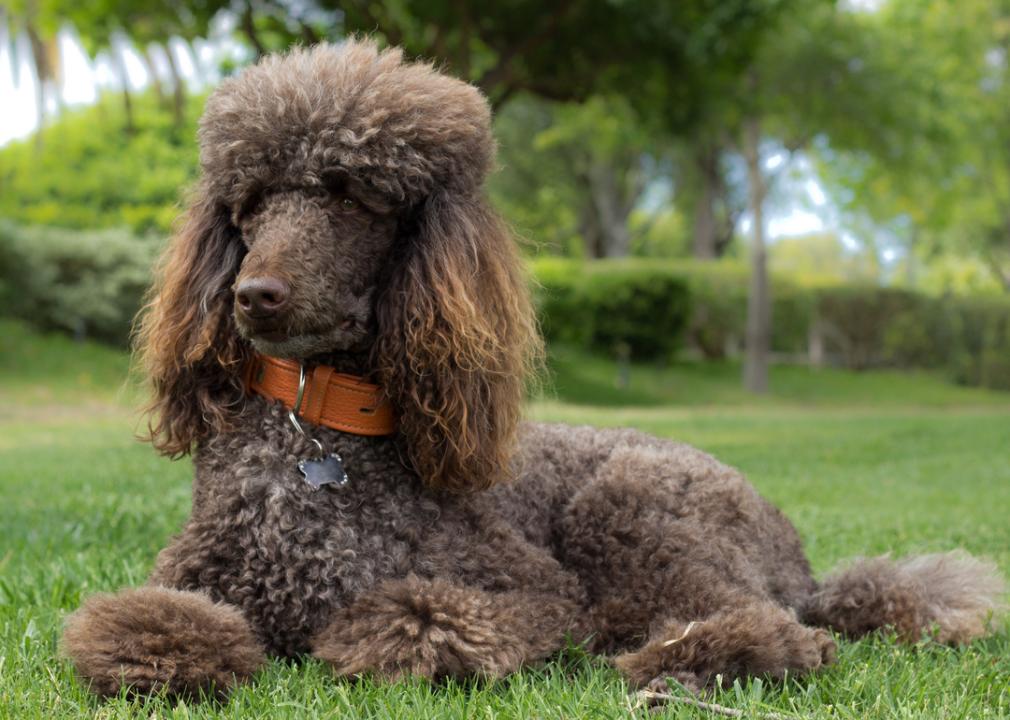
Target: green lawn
{"x": 862, "y": 464}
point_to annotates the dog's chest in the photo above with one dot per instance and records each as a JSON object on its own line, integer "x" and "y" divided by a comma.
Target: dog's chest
{"x": 300, "y": 552}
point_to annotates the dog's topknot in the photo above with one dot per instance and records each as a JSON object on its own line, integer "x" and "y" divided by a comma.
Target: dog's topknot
{"x": 400, "y": 126}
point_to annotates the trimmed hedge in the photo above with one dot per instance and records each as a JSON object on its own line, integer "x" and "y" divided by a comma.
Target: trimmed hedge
{"x": 623, "y": 307}
{"x": 851, "y": 326}
{"x": 91, "y": 284}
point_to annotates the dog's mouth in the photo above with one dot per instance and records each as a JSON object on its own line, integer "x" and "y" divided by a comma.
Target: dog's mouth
{"x": 261, "y": 329}
{"x": 278, "y": 341}
{"x": 274, "y": 336}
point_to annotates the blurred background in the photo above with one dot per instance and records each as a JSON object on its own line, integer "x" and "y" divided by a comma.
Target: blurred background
{"x": 747, "y": 183}
{"x": 778, "y": 230}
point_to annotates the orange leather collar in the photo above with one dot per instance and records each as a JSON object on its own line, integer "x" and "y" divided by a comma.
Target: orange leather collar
{"x": 334, "y": 400}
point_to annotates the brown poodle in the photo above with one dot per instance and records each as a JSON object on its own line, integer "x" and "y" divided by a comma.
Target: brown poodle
{"x": 341, "y": 223}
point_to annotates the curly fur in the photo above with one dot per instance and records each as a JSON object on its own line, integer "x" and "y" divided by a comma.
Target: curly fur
{"x": 189, "y": 348}
{"x": 355, "y": 179}
{"x": 758, "y": 638}
{"x": 435, "y": 629}
{"x": 949, "y": 596}
{"x": 153, "y": 639}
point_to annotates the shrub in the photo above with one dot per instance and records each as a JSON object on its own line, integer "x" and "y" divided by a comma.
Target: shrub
{"x": 91, "y": 284}
{"x": 644, "y": 308}
{"x": 84, "y": 283}
{"x": 558, "y": 288}
{"x": 981, "y": 347}
{"x": 718, "y": 292}
{"x": 652, "y": 306}
{"x": 609, "y": 304}
{"x": 792, "y": 318}
{"x": 856, "y": 319}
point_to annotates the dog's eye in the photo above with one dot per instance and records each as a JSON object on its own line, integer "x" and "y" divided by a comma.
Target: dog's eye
{"x": 348, "y": 203}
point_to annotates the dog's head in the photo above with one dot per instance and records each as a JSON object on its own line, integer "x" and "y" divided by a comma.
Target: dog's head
{"x": 341, "y": 209}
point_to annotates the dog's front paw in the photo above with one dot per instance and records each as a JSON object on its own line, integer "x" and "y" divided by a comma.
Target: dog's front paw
{"x": 154, "y": 638}
{"x": 431, "y": 629}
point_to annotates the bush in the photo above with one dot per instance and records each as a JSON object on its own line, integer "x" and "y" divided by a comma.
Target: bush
{"x": 557, "y": 293}
{"x": 651, "y": 307}
{"x": 718, "y": 292}
{"x": 981, "y": 348}
{"x": 856, "y": 320}
{"x": 644, "y": 308}
{"x": 89, "y": 284}
{"x": 611, "y": 306}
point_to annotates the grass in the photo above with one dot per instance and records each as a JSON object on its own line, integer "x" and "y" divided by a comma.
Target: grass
{"x": 861, "y": 463}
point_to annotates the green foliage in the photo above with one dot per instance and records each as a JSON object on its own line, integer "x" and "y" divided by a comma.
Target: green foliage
{"x": 931, "y": 165}
{"x": 536, "y": 190}
{"x": 621, "y": 307}
{"x": 981, "y": 347}
{"x": 558, "y": 290}
{"x": 718, "y": 292}
{"x": 640, "y": 307}
{"x": 857, "y": 325}
{"x": 856, "y": 319}
{"x": 823, "y": 256}
{"x": 90, "y": 174}
{"x": 656, "y": 53}
{"x": 571, "y": 174}
{"x": 89, "y": 284}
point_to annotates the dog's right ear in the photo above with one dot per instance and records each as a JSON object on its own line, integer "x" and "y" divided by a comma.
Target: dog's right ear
{"x": 186, "y": 338}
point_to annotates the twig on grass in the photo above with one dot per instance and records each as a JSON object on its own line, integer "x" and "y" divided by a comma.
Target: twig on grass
{"x": 656, "y": 698}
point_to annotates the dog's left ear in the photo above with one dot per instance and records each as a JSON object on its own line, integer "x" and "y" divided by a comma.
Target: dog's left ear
{"x": 457, "y": 341}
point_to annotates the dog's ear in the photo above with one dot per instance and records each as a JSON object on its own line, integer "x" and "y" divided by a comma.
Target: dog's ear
{"x": 457, "y": 339}
{"x": 186, "y": 337}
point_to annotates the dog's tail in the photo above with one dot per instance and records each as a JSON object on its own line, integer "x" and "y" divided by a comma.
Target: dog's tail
{"x": 951, "y": 597}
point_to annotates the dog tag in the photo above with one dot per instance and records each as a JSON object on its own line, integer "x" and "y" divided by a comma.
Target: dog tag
{"x": 328, "y": 470}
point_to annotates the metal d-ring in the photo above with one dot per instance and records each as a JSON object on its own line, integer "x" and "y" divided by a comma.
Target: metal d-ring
{"x": 293, "y": 412}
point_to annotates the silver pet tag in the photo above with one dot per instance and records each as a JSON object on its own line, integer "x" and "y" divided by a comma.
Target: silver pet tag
{"x": 328, "y": 470}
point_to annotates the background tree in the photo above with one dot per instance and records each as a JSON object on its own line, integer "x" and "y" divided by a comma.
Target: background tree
{"x": 810, "y": 79}
{"x": 937, "y": 179}
{"x": 584, "y": 167}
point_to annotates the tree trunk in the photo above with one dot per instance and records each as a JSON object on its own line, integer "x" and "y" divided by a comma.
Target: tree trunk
{"x": 610, "y": 210}
{"x": 178, "y": 90}
{"x": 755, "y": 376}
{"x": 124, "y": 80}
{"x": 152, "y": 70}
{"x": 249, "y": 29}
{"x": 42, "y": 75}
{"x": 707, "y": 168}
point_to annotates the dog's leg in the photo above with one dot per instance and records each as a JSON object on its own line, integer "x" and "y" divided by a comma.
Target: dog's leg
{"x": 760, "y": 638}
{"x": 433, "y": 628}
{"x": 154, "y": 638}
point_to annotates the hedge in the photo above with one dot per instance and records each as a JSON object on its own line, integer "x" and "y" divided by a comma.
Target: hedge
{"x": 625, "y": 308}
{"x": 851, "y": 326}
{"x": 91, "y": 284}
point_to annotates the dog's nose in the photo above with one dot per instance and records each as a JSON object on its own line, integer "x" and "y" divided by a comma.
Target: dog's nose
{"x": 262, "y": 297}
